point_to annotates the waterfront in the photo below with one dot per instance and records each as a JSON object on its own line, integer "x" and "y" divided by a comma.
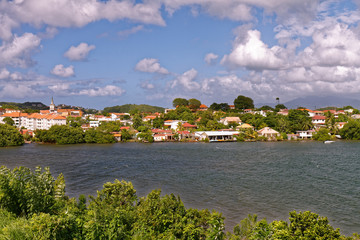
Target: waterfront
{"x": 265, "y": 178}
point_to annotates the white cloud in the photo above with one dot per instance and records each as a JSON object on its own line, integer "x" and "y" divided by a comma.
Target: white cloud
{"x": 4, "y": 73}
{"x": 147, "y": 85}
{"x": 126, "y": 33}
{"x": 17, "y": 52}
{"x": 333, "y": 46}
{"x": 150, "y": 65}
{"x": 186, "y": 81}
{"x": 109, "y": 90}
{"x": 17, "y": 91}
{"x": 79, "y": 53}
{"x": 75, "y": 13}
{"x": 250, "y": 52}
{"x": 241, "y": 10}
{"x": 61, "y": 71}
{"x": 211, "y": 58}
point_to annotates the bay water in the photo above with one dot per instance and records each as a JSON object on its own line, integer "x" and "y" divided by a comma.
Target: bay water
{"x": 269, "y": 179}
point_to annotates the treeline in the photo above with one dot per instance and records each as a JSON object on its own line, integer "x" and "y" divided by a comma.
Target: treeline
{"x": 33, "y": 205}
{"x": 65, "y": 134}
{"x": 133, "y": 107}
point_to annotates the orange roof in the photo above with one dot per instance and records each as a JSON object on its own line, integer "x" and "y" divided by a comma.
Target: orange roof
{"x": 203, "y": 106}
{"x": 151, "y": 117}
{"x": 188, "y": 125}
{"x": 126, "y": 128}
{"x": 13, "y": 114}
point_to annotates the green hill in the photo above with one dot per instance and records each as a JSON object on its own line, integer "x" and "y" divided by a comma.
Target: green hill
{"x": 128, "y": 107}
{"x": 25, "y": 105}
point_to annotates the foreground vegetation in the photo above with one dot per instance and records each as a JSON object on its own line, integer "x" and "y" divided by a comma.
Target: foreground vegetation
{"x": 33, "y": 205}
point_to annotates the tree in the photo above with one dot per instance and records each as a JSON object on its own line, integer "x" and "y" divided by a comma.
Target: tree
{"x": 194, "y": 103}
{"x": 180, "y": 102}
{"x": 278, "y": 107}
{"x": 351, "y": 130}
{"x": 10, "y": 136}
{"x": 266, "y": 107}
{"x": 242, "y": 102}
{"x": 9, "y": 121}
{"x": 323, "y": 134}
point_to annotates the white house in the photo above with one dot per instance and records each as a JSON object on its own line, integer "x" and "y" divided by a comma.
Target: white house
{"x": 216, "y": 136}
{"x": 268, "y": 133}
{"x": 228, "y": 120}
{"x": 307, "y": 134}
{"x": 318, "y": 120}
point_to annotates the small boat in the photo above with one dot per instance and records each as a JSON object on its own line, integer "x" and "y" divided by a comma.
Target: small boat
{"x": 329, "y": 141}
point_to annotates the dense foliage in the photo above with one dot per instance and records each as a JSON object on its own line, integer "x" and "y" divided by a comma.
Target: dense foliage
{"x": 10, "y": 136}
{"x": 242, "y": 102}
{"x": 131, "y": 107}
{"x": 351, "y": 130}
{"x": 33, "y": 205}
{"x": 64, "y": 134}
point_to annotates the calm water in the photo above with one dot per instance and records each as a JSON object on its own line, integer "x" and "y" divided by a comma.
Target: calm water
{"x": 268, "y": 179}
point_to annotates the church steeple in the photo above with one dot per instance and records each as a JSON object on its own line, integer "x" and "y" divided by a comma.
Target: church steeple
{"x": 52, "y": 105}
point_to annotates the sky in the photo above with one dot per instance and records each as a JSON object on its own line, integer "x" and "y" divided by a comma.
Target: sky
{"x": 96, "y": 54}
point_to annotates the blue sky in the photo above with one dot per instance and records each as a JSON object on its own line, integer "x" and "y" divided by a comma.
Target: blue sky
{"x": 104, "y": 53}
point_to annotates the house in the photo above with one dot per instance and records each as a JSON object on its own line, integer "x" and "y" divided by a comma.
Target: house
{"x": 244, "y": 126}
{"x": 161, "y": 135}
{"x": 292, "y": 136}
{"x": 216, "y": 136}
{"x": 149, "y": 118}
{"x": 173, "y": 124}
{"x": 188, "y": 126}
{"x": 268, "y": 133}
{"x": 117, "y": 136}
{"x": 232, "y": 107}
{"x": 203, "y": 107}
{"x": 283, "y": 112}
{"x": 229, "y": 120}
{"x": 318, "y": 120}
{"x": 184, "y": 135}
{"x": 307, "y": 134}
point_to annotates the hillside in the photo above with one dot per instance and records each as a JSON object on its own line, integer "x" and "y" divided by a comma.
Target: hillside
{"x": 25, "y": 105}
{"x": 130, "y": 107}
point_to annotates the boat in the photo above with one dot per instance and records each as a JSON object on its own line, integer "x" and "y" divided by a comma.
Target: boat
{"x": 328, "y": 141}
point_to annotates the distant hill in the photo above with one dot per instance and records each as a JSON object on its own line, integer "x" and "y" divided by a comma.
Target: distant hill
{"x": 128, "y": 107}
{"x": 316, "y": 102}
{"x": 25, "y": 105}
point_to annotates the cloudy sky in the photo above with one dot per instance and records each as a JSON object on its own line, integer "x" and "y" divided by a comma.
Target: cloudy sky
{"x": 96, "y": 53}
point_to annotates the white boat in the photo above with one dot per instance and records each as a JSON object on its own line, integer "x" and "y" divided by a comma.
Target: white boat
{"x": 329, "y": 141}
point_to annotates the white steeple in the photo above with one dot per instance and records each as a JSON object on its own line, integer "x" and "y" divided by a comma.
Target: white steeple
{"x": 52, "y": 105}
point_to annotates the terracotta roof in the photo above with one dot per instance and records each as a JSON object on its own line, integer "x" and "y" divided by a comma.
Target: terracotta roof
{"x": 317, "y": 117}
{"x": 203, "y": 106}
{"x": 188, "y": 125}
{"x": 13, "y": 114}
{"x": 126, "y": 128}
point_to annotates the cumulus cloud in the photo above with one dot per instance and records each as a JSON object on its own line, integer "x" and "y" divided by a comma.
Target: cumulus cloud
{"x": 17, "y": 52}
{"x": 186, "y": 81}
{"x": 61, "y": 71}
{"x": 109, "y": 90}
{"x": 79, "y": 53}
{"x": 211, "y": 58}
{"x": 333, "y": 46}
{"x": 250, "y": 52}
{"x": 78, "y": 13}
{"x": 150, "y": 65}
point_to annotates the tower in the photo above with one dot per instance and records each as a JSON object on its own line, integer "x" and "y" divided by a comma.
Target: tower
{"x": 52, "y": 106}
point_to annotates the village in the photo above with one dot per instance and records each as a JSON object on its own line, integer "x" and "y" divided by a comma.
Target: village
{"x": 189, "y": 123}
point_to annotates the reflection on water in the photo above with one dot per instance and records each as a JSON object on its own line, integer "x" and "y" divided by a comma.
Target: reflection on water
{"x": 268, "y": 179}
